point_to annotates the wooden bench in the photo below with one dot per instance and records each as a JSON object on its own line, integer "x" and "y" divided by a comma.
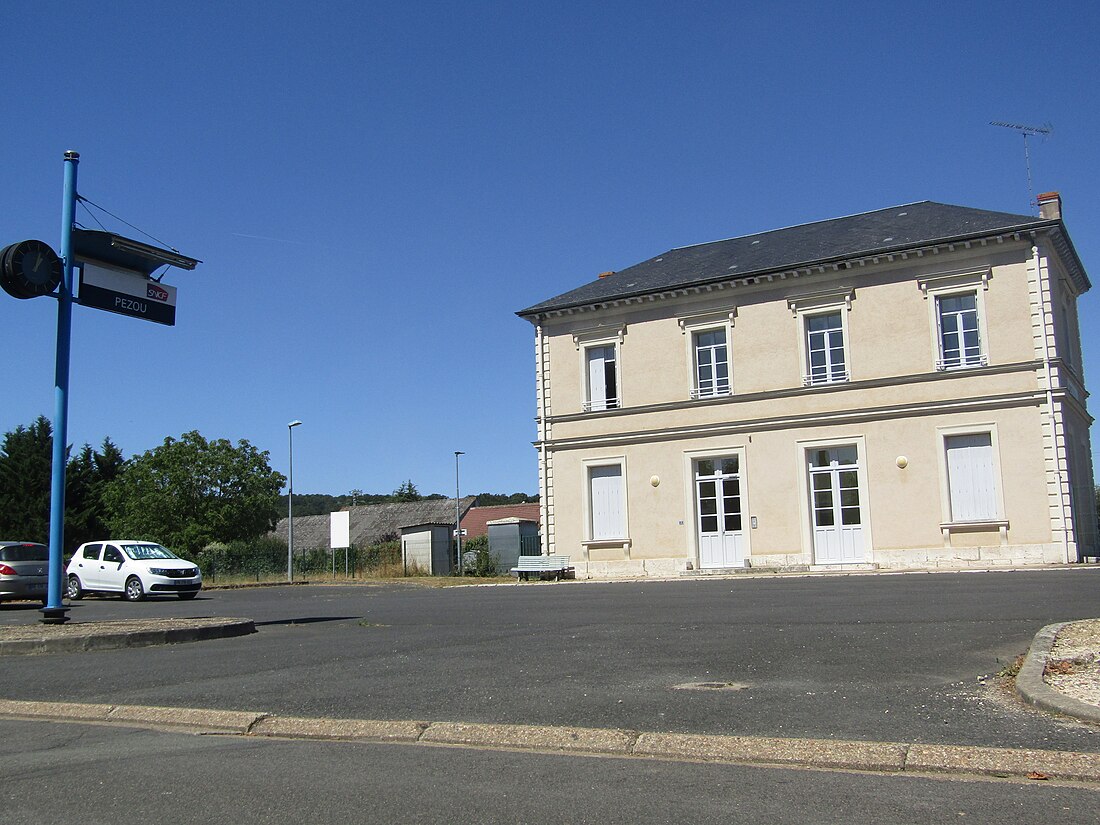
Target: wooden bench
{"x": 541, "y": 565}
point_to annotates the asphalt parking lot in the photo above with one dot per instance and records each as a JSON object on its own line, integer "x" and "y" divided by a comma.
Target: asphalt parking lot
{"x": 881, "y": 657}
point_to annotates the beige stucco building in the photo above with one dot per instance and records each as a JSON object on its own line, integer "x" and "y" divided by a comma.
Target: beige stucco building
{"x": 901, "y": 388}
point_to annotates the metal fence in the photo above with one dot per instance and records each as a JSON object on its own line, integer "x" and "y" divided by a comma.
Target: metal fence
{"x": 266, "y": 560}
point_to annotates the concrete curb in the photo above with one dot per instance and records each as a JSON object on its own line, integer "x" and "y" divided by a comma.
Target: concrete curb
{"x": 897, "y": 758}
{"x": 1032, "y": 688}
{"x": 99, "y": 638}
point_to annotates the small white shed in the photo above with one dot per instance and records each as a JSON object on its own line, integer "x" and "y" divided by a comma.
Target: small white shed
{"x": 428, "y": 547}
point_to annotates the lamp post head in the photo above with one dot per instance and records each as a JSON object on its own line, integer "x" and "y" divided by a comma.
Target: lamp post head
{"x": 294, "y": 424}
{"x": 459, "y": 452}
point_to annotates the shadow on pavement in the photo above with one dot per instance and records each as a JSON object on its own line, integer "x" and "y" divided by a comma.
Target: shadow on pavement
{"x": 308, "y": 620}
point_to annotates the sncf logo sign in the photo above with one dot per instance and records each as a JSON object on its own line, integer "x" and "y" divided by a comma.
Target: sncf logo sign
{"x": 157, "y": 292}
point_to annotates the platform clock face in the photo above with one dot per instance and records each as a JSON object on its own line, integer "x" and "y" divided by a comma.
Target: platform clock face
{"x": 29, "y": 269}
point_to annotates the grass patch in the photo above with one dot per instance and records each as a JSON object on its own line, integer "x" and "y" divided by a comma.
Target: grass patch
{"x": 1011, "y": 670}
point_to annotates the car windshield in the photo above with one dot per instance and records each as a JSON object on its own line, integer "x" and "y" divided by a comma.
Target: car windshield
{"x": 141, "y": 552}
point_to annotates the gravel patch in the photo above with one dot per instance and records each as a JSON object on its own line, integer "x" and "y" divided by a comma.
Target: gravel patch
{"x": 1073, "y": 666}
{"x": 18, "y": 633}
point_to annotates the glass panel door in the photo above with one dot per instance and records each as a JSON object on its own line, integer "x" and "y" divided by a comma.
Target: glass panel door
{"x": 836, "y": 513}
{"x": 718, "y": 504}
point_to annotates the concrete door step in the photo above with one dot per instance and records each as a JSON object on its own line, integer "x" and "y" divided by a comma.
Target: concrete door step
{"x": 840, "y": 568}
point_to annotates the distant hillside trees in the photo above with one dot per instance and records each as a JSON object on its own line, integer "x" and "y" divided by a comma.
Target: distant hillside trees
{"x": 320, "y": 504}
{"x": 499, "y": 499}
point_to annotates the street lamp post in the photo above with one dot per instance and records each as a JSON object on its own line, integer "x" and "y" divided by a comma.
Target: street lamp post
{"x": 458, "y": 515}
{"x": 290, "y": 506}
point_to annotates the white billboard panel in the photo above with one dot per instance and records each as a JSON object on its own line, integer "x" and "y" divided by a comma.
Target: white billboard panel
{"x": 339, "y": 530}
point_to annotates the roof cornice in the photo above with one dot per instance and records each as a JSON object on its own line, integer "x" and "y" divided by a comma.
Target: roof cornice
{"x": 837, "y": 264}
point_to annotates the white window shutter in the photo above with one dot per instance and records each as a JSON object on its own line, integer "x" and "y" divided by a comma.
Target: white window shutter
{"x": 970, "y": 477}
{"x": 607, "y": 502}
{"x": 597, "y": 382}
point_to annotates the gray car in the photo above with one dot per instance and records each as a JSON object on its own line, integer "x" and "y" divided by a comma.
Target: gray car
{"x": 24, "y": 570}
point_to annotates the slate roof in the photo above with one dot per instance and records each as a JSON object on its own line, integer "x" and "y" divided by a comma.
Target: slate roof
{"x": 870, "y": 233}
{"x": 370, "y": 523}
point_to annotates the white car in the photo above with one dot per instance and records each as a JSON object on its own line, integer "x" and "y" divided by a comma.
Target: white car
{"x": 135, "y": 569}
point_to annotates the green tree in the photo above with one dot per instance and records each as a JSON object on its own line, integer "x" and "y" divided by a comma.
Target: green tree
{"x": 86, "y": 479}
{"x": 407, "y": 492}
{"x": 189, "y": 492}
{"x": 25, "y": 457}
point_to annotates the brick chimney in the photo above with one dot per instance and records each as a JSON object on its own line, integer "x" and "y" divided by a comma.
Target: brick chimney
{"x": 1050, "y": 205}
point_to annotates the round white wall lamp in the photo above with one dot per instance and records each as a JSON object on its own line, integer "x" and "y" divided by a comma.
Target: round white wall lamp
{"x": 655, "y": 480}
{"x": 902, "y": 462}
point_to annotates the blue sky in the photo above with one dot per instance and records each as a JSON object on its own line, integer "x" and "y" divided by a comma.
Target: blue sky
{"x": 376, "y": 187}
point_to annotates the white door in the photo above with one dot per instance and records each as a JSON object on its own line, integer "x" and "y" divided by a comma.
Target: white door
{"x": 607, "y": 502}
{"x": 718, "y": 505}
{"x": 834, "y": 502}
{"x": 87, "y": 565}
{"x": 111, "y": 575}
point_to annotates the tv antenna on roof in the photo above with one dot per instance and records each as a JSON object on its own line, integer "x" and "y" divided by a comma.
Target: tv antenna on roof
{"x": 1043, "y": 130}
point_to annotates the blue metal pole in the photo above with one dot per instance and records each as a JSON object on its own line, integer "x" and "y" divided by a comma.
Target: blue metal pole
{"x": 55, "y": 612}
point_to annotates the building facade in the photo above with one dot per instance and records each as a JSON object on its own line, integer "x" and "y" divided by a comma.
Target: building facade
{"x": 897, "y": 389}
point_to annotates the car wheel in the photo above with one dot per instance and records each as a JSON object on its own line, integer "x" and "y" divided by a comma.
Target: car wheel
{"x": 134, "y": 591}
{"x": 190, "y": 595}
{"x": 73, "y": 589}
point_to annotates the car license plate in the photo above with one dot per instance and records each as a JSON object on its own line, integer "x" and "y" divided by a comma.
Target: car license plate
{"x": 34, "y": 588}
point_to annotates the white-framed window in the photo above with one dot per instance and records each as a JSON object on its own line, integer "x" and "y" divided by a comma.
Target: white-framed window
{"x": 602, "y": 372}
{"x": 1070, "y": 347}
{"x": 601, "y": 377}
{"x": 823, "y": 338}
{"x": 712, "y": 367}
{"x": 709, "y": 336}
{"x": 826, "y": 359}
{"x": 606, "y": 502}
{"x": 960, "y": 338}
{"x": 834, "y": 486}
{"x": 958, "y": 317}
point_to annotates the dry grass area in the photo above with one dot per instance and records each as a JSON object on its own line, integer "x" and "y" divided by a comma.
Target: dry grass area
{"x": 383, "y": 575}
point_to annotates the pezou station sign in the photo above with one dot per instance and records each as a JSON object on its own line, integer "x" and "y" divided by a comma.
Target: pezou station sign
{"x": 126, "y": 293}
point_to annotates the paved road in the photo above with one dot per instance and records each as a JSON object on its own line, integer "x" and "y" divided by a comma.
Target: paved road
{"x": 111, "y": 776}
{"x": 867, "y": 657}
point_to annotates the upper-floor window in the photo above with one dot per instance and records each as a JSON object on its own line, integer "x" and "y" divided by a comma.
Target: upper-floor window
{"x": 960, "y": 339}
{"x": 712, "y": 372}
{"x": 1069, "y": 348}
{"x": 823, "y": 341}
{"x": 708, "y": 333}
{"x": 602, "y": 376}
{"x": 825, "y": 357}
{"x": 956, "y": 303}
